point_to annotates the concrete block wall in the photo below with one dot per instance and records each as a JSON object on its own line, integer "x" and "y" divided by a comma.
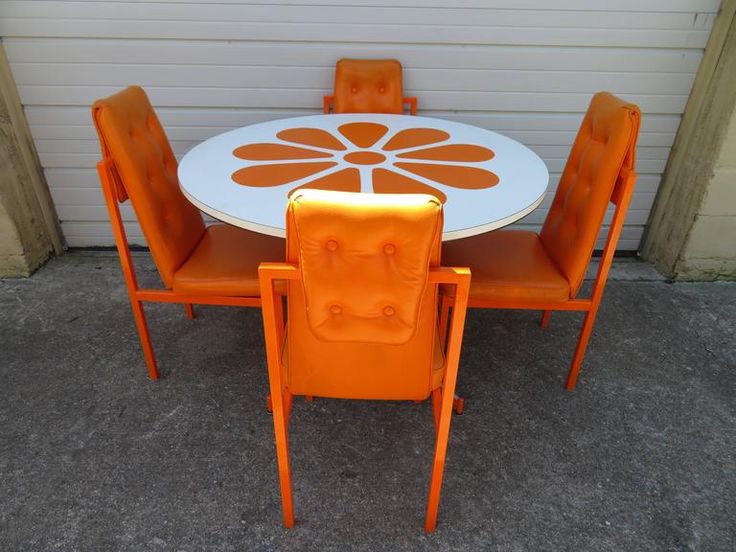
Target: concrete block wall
{"x": 29, "y": 231}
{"x": 710, "y": 252}
{"x": 691, "y": 233}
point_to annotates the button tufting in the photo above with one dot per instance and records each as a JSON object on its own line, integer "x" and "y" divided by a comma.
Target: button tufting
{"x": 332, "y": 245}
{"x": 389, "y": 249}
{"x": 389, "y": 311}
{"x": 335, "y": 309}
{"x": 382, "y": 89}
{"x": 354, "y": 89}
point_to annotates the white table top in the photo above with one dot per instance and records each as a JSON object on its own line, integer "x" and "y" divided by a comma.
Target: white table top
{"x": 244, "y": 176}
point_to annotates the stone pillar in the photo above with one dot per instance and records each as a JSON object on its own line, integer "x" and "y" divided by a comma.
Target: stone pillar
{"x": 29, "y": 228}
{"x": 691, "y": 233}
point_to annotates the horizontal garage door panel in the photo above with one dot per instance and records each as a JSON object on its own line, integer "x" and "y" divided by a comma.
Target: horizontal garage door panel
{"x": 525, "y": 68}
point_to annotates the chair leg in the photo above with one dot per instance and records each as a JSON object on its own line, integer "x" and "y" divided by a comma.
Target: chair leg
{"x": 280, "y": 420}
{"x": 189, "y": 308}
{"x": 436, "y": 406}
{"x": 458, "y": 404}
{"x": 288, "y": 404}
{"x": 438, "y": 468}
{"x": 445, "y": 306}
{"x": 142, "y": 325}
{"x": 577, "y": 359}
{"x": 546, "y": 315}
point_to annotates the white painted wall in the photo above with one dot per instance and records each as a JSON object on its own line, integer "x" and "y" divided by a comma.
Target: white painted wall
{"x": 525, "y": 68}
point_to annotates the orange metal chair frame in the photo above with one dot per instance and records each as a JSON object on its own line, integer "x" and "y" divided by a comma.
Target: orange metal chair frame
{"x": 105, "y": 169}
{"x": 620, "y": 197}
{"x": 282, "y": 399}
{"x": 409, "y": 101}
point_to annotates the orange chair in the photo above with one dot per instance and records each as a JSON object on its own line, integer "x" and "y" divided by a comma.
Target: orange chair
{"x": 215, "y": 265}
{"x": 362, "y": 283}
{"x": 524, "y": 270}
{"x": 369, "y": 86}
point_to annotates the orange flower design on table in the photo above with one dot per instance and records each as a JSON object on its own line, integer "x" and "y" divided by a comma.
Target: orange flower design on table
{"x": 343, "y": 162}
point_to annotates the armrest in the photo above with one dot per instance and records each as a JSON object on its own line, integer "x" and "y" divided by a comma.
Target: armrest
{"x": 458, "y": 278}
{"x": 272, "y": 309}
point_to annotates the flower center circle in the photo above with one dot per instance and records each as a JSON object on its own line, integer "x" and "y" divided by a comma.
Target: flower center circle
{"x": 365, "y": 158}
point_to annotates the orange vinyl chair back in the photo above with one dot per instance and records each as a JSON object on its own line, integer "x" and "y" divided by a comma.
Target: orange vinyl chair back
{"x": 355, "y": 326}
{"x": 369, "y": 86}
{"x": 523, "y": 270}
{"x": 362, "y": 288}
{"x": 604, "y": 151}
{"x": 197, "y": 264}
{"x": 144, "y": 170}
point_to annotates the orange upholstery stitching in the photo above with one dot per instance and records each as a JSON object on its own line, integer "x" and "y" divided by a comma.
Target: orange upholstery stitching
{"x": 362, "y": 313}
{"x": 345, "y": 274}
{"x": 132, "y": 137}
{"x": 368, "y": 86}
{"x": 603, "y": 143}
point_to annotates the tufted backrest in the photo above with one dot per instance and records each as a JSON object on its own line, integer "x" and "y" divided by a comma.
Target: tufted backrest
{"x": 363, "y": 315}
{"x": 144, "y": 170}
{"x": 603, "y": 150}
{"x": 368, "y": 86}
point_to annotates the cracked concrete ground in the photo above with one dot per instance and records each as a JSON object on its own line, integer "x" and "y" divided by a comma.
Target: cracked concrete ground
{"x": 94, "y": 456}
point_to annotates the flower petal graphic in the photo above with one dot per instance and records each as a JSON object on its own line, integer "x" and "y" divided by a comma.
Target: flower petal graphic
{"x": 365, "y": 158}
{"x": 346, "y": 180}
{"x": 454, "y": 152}
{"x": 415, "y": 137}
{"x": 262, "y": 176}
{"x": 268, "y": 152}
{"x": 311, "y": 137}
{"x": 390, "y": 182}
{"x": 457, "y": 176}
{"x": 363, "y": 135}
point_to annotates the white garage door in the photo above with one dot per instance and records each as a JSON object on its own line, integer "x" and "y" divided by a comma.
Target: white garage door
{"x": 525, "y": 68}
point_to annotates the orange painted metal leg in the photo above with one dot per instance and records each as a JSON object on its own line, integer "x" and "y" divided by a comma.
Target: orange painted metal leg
{"x": 189, "y": 308}
{"x": 142, "y": 325}
{"x": 577, "y": 359}
{"x": 546, "y": 315}
{"x": 280, "y": 420}
{"x": 438, "y": 469}
{"x": 436, "y": 405}
{"x": 458, "y": 404}
{"x": 269, "y": 404}
{"x": 445, "y": 306}
{"x": 288, "y": 403}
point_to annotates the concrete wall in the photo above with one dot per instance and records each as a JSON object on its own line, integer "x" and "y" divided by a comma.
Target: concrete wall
{"x": 692, "y": 228}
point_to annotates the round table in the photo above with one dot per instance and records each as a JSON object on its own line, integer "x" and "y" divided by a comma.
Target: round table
{"x": 244, "y": 176}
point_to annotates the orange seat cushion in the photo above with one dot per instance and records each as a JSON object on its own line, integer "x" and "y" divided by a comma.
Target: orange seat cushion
{"x": 225, "y": 262}
{"x": 508, "y": 265}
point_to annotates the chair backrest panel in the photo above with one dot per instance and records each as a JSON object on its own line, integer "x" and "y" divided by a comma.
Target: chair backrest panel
{"x": 362, "y": 318}
{"x": 368, "y": 86}
{"x": 604, "y": 148}
{"x": 145, "y": 170}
